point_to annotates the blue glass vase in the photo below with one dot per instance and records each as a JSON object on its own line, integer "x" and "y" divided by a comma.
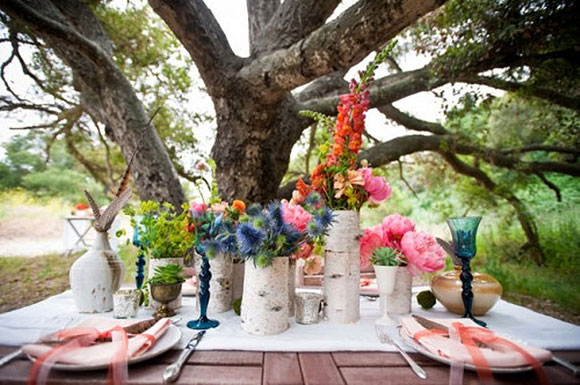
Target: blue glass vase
{"x": 203, "y": 293}
{"x": 464, "y": 233}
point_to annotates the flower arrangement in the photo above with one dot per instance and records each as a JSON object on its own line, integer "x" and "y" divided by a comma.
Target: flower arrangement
{"x": 341, "y": 183}
{"x": 280, "y": 229}
{"x": 213, "y": 227}
{"x": 395, "y": 240}
{"x": 163, "y": 232}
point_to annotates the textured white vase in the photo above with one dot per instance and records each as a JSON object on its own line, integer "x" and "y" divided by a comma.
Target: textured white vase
{"x": 238, "y": 280}
{"x": 221, "y": 283}
{"x": 291, "y": 286}
{"x": 95, "y": 276}
{"x": 399, "y": 301}
{"x": 342, "y": 269}
{"x": 265, "y": 298}
{"x": 155, "y": 262}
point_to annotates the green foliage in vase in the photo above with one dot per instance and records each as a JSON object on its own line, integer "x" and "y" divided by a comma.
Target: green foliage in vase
{"x": 167, "y": 275}
{"x": 387, "y": 256}
{"x": 163, "y": 231}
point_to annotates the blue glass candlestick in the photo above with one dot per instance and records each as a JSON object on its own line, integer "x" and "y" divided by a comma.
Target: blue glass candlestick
{"x": 140, "y": 263}
{"x": 464, "y": 232}
{"x": 203, "y": 293}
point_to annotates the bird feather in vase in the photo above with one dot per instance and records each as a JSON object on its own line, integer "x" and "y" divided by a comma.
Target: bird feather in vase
{"x": 449, "y": 248}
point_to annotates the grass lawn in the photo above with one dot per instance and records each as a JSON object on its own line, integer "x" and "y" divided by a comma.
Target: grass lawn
{"x": 25, "y": 280}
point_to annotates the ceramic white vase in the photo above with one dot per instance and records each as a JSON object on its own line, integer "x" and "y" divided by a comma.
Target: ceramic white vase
{"x": 265, "y": 298}
{"x": 342, "y": 269}
{"x": 399, "y": 301}
{"x": 220, "y": 285}
{"x": 95, "y": 276}
{"x": 386, "y": 279}
{"x": 155, "y": 262}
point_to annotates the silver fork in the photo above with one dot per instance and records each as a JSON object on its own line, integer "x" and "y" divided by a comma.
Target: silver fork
{"x": 385, "y": 338}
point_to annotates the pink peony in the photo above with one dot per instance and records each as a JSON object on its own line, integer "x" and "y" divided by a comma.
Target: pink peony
{"x": 219, "y": 207}
{"x": 394, "y": 227}
{"x": 296, "y": 215}
{"x": 371, "y": 240}
{"x": 377, "y": 187}
{"x": 422, "y": 252}
{"x": 197, "y": 209}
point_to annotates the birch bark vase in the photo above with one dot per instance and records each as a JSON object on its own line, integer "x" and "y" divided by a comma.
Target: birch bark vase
{"x": 220, "y": 283}
{"x": 155, "y": 262}
{"x": 399, "y": 301}
{"x": 291, "y": 286}
{"x": 342, "y": 269}
{"x": 238, "y": 279}
{"x": 95, "y": 276}
{"x": 265, "y": 298}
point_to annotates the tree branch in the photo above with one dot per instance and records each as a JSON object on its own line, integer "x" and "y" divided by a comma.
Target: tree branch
{"x": 541, "y": 147}
{"x": 294, "y": 20}
{"x": 540, "y": 92}
{"x": 260, "y": 12}
{"x": 336, "y": 46}
{"x": 197, "y": 29}
{"x": 410, "y": 122}
{"x": 551, "y": 186}
{"x": 402, "y": 177}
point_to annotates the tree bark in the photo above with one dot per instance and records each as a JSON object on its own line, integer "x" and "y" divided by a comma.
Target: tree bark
{"x": 72, "y": 30}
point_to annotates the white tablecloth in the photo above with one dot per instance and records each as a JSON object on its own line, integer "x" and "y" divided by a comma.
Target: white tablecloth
{"x": 28, "y": 324}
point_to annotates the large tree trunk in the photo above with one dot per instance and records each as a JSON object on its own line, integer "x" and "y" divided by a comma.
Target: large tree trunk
{"x": 75, "y": 34}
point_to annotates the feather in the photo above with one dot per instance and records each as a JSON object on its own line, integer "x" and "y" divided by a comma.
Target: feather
{"x": 94, "y": 205}
{"x": 449, "y": 248}
{"x": 125, "y": 179}
{"x": 103, "y": 224}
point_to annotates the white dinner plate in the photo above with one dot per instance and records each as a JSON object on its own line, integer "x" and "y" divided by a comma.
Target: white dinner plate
{"x": 419, "y": 348}
{"x": 168, "y": 340}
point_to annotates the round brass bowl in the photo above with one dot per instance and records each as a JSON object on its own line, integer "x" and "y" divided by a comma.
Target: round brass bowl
{"x": 164, "y": 294}
{"x": 447, "y": 289}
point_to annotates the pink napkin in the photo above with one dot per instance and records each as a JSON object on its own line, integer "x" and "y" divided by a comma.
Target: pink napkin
{"x": 496, "y": 352}
{"x": 101, "y": 353}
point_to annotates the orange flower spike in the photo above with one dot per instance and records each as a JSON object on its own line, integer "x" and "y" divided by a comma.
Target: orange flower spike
{"x": 239, "y": 205}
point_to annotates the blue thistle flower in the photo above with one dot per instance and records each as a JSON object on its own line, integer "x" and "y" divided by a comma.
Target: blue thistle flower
{"x": 254, "y": 209}
{"x": 325, "y": 217}
{"x": 315, "y": 229}
{"x": 312, "y": 199}
{"x": 274, "y": 211}
{"x": 249, "y": 239}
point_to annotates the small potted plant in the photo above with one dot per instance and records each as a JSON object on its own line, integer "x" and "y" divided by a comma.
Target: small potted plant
{"x": 165, "y": 236}
{"x": 385, "y": 261}
{"x": 165, "y": 286}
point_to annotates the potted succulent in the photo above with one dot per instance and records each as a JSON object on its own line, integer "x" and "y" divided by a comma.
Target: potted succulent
{"x": 416, "y": 252}
{"x": 165, "y": 237}
{"x": 266, "y": 240}
{"x": 165, "y": 286}
{"x": 385, "y": 261}
{"x": 345, "y": 185}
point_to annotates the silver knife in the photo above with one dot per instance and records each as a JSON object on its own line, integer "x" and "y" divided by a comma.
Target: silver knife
{"x": 6, "y": 359}
{"x": 172, "y": 372}
{"x": 429, "y": 324}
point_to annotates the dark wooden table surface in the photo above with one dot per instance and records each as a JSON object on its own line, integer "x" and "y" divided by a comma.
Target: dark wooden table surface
{"x": 244, "y": 367}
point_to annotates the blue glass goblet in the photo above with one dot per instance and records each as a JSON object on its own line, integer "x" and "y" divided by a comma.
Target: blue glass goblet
{"x": 203, "y": 292}
{"x": 140, "y": 263}
{"x": 464, "y": 232}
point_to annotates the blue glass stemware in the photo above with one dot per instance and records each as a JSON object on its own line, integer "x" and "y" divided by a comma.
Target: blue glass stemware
{"x": 464, "y": 233}
{"x": 140, "y": 263}
{"x": 203, "y": 292}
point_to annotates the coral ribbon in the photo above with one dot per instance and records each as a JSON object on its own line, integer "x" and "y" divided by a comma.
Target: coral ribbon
{"x": 79, "y": 338}
{"x": 469, "y": 336}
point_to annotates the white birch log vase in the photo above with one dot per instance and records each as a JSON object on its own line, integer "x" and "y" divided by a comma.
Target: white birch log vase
{"x": 342, "y": 269}
{"x": 265, "y": 298}
{"x": 220, "y": 284}
{"x": 155, "y": 262}
{"x": 291, "y": 286}
{"x": 238, "y": 279}
{"x": 95, "y": 276}
{"x": 399, "y": 301}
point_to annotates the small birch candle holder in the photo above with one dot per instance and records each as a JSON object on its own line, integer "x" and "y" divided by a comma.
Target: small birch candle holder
{"x": 308, "y": 308}
{"x": 126, "y": 303}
